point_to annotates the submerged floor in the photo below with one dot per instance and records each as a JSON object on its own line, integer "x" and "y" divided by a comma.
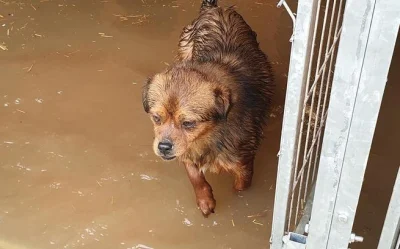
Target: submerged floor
{"x": 76, "y": 165}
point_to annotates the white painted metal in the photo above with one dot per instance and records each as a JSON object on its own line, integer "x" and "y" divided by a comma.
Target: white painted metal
{"x": 348, "y": 69}
{"x": 391, "y": 228}
{"x": 294, "y": 241}
{"x": 368, "y": 37}
{"x": 313, "y": 117}
{"x": 299, "y": 177}
{"x": 358, "y": 85}
{"x": 331, "y": 52}
{"x": 299, "y": 59}
{"x": 316, "y": 118}
{"x": 303, "y": 126}
{"x": 291, "y": 14}
{"x": 378, "y": 56}
{"x": 302, "y": 227}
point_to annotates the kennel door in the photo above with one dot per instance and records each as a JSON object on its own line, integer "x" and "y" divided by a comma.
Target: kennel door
{"x": 345, "y": 90}
{"x": 316, "y": 35}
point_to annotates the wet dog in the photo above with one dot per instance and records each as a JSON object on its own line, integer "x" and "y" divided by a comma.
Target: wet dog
{"x": 210, "y": 106}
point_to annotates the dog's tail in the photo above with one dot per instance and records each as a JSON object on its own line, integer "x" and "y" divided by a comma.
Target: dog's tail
{"x": 209, "y": 4}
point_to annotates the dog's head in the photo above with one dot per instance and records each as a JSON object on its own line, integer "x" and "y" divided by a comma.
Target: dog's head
{"x": 186, "y": 108}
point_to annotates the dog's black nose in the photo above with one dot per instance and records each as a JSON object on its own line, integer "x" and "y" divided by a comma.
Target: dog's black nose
{"x": 165, "y": 147}
{"x": 209, "y": 3}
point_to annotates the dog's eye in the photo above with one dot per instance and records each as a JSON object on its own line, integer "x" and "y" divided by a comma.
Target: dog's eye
{"x": 189, "y": 124}
{"x": 156, "y": 119}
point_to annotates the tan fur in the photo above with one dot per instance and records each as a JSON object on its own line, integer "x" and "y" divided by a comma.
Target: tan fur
{"x": 222, "y": 83}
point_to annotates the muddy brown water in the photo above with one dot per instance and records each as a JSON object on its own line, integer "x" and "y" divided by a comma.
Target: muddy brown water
{"x": 76, "y": 163}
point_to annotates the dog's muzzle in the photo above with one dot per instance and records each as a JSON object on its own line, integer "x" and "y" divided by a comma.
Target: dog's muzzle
{"x": 165, "y": 149}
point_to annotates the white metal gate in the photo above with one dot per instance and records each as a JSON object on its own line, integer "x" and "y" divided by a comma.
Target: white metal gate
{"x": 341, "y": 53}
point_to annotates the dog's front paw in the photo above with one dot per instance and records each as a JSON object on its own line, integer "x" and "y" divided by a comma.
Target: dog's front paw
{"x": 206, "y": 205}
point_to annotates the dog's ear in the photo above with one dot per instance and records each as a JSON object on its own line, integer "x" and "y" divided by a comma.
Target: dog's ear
{"x": 145, "y": 97}
{"x": 222, "y": 100}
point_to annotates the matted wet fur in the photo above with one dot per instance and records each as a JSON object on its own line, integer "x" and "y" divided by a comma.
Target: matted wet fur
{"x": 210, "y": 106}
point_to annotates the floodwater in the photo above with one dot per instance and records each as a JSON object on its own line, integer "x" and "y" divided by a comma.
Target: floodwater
{"x": 76, "y": 163}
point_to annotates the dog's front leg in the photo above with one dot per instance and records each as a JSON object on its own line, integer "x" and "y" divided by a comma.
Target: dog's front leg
{"x": 243, "y": 175}
{"x": 204, "y": 196}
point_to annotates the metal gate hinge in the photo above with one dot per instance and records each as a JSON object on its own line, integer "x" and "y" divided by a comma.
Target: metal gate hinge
{"x": 294, "y": 241}
{"x": 295, "y": 237}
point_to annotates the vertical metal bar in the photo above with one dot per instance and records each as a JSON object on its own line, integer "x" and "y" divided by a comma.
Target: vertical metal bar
{"x": 294, "y": 97}
{"x": 391, "y": 228}
{"x": 356, "y": 98}
{"x": 356, "y": 26}
{"x": 378, "y": 56}
{"x": 301, "y": 171}
{"x": 305, "y": 218}
{"x": 321, "y": 87}
{"x": 324, "y": 107}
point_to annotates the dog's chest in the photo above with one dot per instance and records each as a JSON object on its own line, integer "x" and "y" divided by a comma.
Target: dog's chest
{"x": 217, "y": 165}
{"x": 209, "y": 161}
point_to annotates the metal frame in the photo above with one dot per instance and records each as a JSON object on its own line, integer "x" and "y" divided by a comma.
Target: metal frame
{"x": 313, "y": 121}
{"x": 366, "y": 47}
{"x": 300, "y": 56}
{"x": 305, "y": 114}
{"x": 390, "y": 236}
{"x": 369, "y": 34}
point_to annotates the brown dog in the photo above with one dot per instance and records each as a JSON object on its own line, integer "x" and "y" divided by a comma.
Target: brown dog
{"x": 209, "y": 108}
